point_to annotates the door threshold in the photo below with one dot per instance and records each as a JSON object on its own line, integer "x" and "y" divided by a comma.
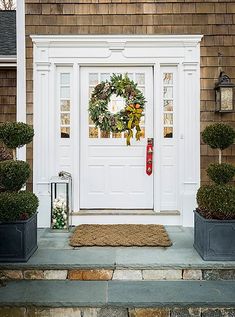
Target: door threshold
{"x": 118, "y": 212}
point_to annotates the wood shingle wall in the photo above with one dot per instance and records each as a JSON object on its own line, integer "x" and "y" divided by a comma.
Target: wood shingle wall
{"x": 215, "y": 19}
{"x": 7, "y": 95}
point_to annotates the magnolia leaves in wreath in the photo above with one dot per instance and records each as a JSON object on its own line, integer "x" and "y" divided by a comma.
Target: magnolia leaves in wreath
{"x": 127, "y": 119}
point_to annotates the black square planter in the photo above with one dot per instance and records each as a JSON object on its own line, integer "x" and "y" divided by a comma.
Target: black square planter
{"x": 214, "y": 240}
{"x": 18, "y": 240}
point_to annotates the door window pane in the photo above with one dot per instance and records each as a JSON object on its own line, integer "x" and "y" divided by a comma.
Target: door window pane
{"x": 104, "y": 134}
{"x": 116, "y": 135}
{"x": 93, "y": 79}
{"x": 168, "y": 118}
{"x": 65, "y": 92}
{"x": 130, "y": 75}
{"x": 168, "y": 105}
{"x": 93, "y": 132}
{"x": 140, "y": 78}
{"x": 143, "y": 132}
{"x": 104, "y": 76}
{"x": 65, "y": 132}
{"x": 90, "y": 91}
{"x": 65, "y": 105}
{"x": 65, "y": 118}
{"x": 64, "y": 78}
{"x": 168, "y": 132}
{"x": 168, "y": 92}
{"x": 116, "y": 104}
{"x": 167, "y": 78}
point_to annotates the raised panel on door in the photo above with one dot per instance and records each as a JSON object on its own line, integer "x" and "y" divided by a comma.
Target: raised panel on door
{"x": 112, "y": 174}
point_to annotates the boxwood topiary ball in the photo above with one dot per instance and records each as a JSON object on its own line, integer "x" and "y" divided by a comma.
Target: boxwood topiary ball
{"x": 216, "y": 201}
{"x": 218, "y": 136}
{"x": 221, "y": 173}
{"x": 13, "y": 175}
{"x": 17, "y": 206}
{"x": 16, "y": 134}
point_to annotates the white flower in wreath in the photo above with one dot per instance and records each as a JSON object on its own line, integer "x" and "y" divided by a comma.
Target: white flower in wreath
{"x": 106, "y": 87}
{"x": 101, "y": 118}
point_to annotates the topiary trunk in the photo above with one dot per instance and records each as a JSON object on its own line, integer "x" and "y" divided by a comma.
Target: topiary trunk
{"x": 14, "y": 154}
{"x": 220, "y": 156}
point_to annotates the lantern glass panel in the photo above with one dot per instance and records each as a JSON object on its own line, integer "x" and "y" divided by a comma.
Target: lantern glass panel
{"x": 60, "y": 203}
{"x": 61, "y": 190}
{"x": 226, "y": 98}
{"x": 217, "y": 99}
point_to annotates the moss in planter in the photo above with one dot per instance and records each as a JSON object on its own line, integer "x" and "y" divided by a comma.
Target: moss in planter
{"x": 17, "y": 206}
{"x": 221, "y": 173}
{"x": 13, "y": 175}
{"x": 216, "y": 201}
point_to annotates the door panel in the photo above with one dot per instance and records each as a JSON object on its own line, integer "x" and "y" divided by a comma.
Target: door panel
{"x": 113, "y": 174}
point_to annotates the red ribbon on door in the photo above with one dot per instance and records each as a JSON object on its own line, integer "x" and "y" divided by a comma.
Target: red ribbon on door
{"x": 149, "y": 157}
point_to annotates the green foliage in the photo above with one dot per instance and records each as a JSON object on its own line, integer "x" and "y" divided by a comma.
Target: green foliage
{"x": 221, "y": 173}
{"x": 216, "y": 201}
{"x": 218, "y": 136}
{"x": 16, "y": 134}
{"x": 128, "y": 118}
{"x": 13, "y": 175}
{"x": 17, "y": 206}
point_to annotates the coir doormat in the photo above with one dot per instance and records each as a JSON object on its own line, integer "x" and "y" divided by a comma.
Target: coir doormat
{"x": 120, "y": 235}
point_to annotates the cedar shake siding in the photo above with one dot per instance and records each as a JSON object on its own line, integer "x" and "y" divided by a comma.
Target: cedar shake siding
{"x": 7, "y": 74}
{"x": 213, "y": 18}
{"x": 7, "y": 95}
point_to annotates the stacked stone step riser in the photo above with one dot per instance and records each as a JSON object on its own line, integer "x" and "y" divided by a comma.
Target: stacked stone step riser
{"x": 116, "y": 312}
{"x": 118, "y": 274}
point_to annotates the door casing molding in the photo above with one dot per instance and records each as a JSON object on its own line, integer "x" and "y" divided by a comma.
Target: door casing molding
{"x": 51, "y": 52}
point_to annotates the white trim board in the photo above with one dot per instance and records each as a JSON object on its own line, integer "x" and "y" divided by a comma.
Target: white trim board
{"x": 173, "y": 220}
{"x": 21, "y": 71}
{"x": 72, "y": 52}
{"x": 8, "y": 65}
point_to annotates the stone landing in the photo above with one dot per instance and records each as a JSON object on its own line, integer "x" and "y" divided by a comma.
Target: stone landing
{"x": 60, "y": 280}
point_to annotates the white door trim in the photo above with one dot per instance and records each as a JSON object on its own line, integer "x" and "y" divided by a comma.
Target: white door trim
{"x": 21, "y": 71}
{"x": 182, "y": 51}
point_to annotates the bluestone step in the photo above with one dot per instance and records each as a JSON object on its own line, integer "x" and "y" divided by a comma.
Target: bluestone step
{"x": 118, "y": 294}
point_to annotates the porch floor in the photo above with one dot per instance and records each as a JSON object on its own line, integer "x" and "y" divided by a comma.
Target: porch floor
{"x": 54, "y": 252}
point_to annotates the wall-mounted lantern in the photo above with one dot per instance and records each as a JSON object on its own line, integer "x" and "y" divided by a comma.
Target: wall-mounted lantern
{"x": 61, "y": 201}
{"x": 224, "y": 94}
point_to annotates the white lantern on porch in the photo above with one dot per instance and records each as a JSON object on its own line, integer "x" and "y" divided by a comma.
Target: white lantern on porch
{"x": 61, "y": 201}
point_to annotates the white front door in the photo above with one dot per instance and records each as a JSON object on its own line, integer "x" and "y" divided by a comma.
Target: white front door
{"x": 112, "y": 174}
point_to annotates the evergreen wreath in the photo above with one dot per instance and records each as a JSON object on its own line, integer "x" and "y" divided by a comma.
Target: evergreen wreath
{"x": 126, "y": 119}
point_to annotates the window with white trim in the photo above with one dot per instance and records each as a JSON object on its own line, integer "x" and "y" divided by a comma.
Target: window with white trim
{"x": 65, "y": 104}
{"x": 168, "y": 104}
